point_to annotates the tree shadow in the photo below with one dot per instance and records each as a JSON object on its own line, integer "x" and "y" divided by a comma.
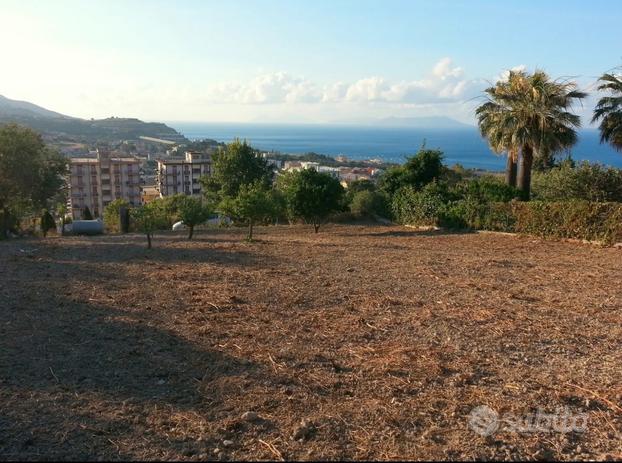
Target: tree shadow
{"x": 416, "y": 232}
{"x": 71, "y": 363}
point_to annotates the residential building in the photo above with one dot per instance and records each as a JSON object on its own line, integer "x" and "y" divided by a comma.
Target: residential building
{"x": 182, "y": 175}
{"x": 148, "y": 194}
{"x": 95, "y": 182}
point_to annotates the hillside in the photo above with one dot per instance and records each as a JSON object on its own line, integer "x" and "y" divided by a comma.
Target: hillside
{"x": 53, "y": 124}
{"x": 358, "y": 343}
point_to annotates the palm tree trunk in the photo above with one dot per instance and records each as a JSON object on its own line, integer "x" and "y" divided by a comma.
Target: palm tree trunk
{"x": 148, "y": 240}
{"x": 524, "y": 174}
{"x": 510, "y": 170}
{"x": 190, "y": 232}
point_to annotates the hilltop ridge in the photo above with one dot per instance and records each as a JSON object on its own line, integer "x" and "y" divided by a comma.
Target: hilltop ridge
{"x": 56, "y": 125}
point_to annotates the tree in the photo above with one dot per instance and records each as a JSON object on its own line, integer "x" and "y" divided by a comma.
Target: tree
{"x": 30, "y": 174}
{"x": 609, "y": 110}
{"x": 419, "y": 170}
{"x": 149, "y": 219}
{"x": 530, "y": 112}
{"x": 47, "y": 222}
{"x": 61, "y": 210}
{"x": 312, "y": 196}
{"x": 492, "y": 117}
{"x": 86, "y": 214}
{"x": 253, "y": 203}
{"x": 372, "y": 204}
{"x": 192, "y": 212}
{"x": 235, "y": 165}
{"x": 112, "y": 214}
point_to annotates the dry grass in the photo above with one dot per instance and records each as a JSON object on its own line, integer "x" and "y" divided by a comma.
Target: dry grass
{"x": 361, "y": 342}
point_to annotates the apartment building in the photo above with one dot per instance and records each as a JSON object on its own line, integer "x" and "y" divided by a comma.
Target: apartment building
{"x": 95, "y": 182}
{"x": 182, "y": 175}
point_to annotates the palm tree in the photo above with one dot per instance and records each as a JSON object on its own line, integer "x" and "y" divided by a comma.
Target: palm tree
{"x": 609, "y": 111}
{"x": 492, "y": 116}
{"x": 530, "y": 112}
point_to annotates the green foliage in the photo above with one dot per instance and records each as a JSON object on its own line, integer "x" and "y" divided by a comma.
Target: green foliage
{"x": 30, "y": 174}
{"x": 311, "y": 196}
{"x": 609, "y": 110}
{"x": 487, "y": 189}
{"x": 530, "y": 113}
{"x": 593, "y": 221}
{"x": 112, "y": 214}
{"x": 47, "y": 222}
{"x": 419, "y": 170}
{"x": 171, "y": 206}
{"x": 253, "y": 203}
{"x": 86, "y": 214}
{"x": 235, "y": 165}
{"x": 192, "y": 212}
{"x": 370, "y": 204}
{"x": 150, "y": 218}
{"x": 590, "y": 182}
{"x": 424, "y": 207}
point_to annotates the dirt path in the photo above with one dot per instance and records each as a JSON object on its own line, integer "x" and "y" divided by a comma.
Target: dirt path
{"x": 360, "y": 342}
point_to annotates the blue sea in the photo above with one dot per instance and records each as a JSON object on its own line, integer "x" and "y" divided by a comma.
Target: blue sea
{"x": 460, "y": 145}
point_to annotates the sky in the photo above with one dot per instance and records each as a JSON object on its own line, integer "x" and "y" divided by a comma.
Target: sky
{"x": 295, "y": 61}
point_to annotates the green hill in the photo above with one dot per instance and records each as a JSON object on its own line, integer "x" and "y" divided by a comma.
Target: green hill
{"x": 57, "y": 125}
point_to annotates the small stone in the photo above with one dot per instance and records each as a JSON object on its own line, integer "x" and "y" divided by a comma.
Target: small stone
{"x": 304, "y": 430}
{"x": 216, "y": 450}
{"x": 250, "y": 416}
{"x": 161, "y": 382}
{"x": 227, "y": 443}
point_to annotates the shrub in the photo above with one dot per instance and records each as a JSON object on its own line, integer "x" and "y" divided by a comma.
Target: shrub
{"x": 371, "y": 204}
{"x": 112, "y": 214}
{"x": 47, "y": 223}
{"x": 589, "y": 182}
{"x": 86, "y": 214}
{"x": 419, "y": 170}
{"x": 424, "y": 207}
{"x": 487, "y": 189}
{"x": 592, "y": 221}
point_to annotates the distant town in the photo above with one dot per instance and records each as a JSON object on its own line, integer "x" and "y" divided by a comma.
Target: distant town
{"x": 106, "y": 174}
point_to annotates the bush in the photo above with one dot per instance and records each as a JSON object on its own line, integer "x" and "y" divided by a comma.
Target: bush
{"x": 47, "y": 222}
{"x": 574, "y": 219}
{"x": 86, "y": 214}
{"x": 487, "y": 189}
{"x": 585, "y": 220}
{"x": 112, "y": 214}
{"x": 589, "y": 182}
{"x": 369, "y": 204}
{"x": 424, "y": 207}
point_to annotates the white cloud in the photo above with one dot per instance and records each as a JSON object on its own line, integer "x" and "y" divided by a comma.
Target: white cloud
{"x": 445, "y": 83}
{"x": 444, "y": 70}
{"x": 505, "y": 75}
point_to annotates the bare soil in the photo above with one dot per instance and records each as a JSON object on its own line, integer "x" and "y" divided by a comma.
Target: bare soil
{"x": 360, "y": 342}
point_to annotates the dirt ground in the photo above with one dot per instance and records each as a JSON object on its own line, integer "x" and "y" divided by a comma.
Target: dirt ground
{"x": 361, "y": 342}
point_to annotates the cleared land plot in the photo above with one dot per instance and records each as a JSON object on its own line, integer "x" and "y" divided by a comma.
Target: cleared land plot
{"x": 359, "y": 342}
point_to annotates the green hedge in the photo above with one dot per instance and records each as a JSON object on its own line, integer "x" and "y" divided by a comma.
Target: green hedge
{"x": 593, "y": 221}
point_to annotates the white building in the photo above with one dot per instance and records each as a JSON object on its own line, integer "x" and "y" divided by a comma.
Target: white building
{"x": 182, "y": 175}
